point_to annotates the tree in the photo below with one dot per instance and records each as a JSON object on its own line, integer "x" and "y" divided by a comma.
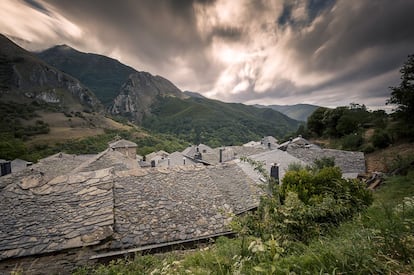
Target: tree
{"x": 403, "y": 95}
{"x": 315, "y": 121}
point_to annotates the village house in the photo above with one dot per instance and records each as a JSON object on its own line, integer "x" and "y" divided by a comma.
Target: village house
{"x": 71, "y": 210}
{"x": 125, "y": 147}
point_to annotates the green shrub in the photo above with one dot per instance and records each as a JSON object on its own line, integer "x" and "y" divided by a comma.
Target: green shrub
{"x": 352, "y": 141}
{"x": 368, "y": 148}
{"x": 308, "y": 203}
{"x": 380, "y": 139}
{"x": 324, "y": 162}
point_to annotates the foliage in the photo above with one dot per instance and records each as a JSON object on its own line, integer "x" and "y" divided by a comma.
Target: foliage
{"x": 147, "y": 143}
{"x": 352, "y": 141}
{"x": 315, "y": 121}
{"x": 380, "y": 139}
{"x": 201, "y": 120}
{"x": 11, "y": 116}
{"x": 103, "y": 75}
{"x": 403, "y": 95}
{"x": 10, "y": 147}
{"x": 340, "y": 121}
{"x": 308, "y": 203}
{"x": 377, "y": 241}
{"x": 324, "y": 162}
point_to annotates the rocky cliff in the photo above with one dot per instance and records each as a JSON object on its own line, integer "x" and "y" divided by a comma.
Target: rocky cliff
{"x": 101, "y": 74}
{"x": 139, "y": 92}
{"x": 23, "y": 76}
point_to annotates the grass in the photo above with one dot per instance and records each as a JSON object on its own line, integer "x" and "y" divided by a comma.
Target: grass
{"x": 377, "y": 241}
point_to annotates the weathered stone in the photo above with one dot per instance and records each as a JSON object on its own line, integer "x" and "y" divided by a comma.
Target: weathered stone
{"x": 97, "y": 235}
{"x": 87, "y": 190}
{"x": 58, "y": 179}
{"x": 102, "y": 173}
{"x": 77, "y": 178}
{"x": 138, "y": 172}
{"x": 74, "y": 242}
{"x": 31, "y": 181}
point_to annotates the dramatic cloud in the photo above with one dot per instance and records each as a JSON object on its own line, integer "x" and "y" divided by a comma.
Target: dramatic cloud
{"x": 323, "y": 52}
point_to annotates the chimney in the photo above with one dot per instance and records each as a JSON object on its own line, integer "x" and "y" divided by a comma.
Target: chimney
{"x": 5, "y": 168}
{"x": 274, "y": 171}
{"x": 221, "y": 155}
{"x": 168, "y": 162}
{"x": 184, "y": 160}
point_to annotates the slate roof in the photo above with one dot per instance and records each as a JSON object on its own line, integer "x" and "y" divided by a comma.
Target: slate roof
{"x": 297, "y": 141}
{"x": 108, "y": 159}
{"x": 163, "y": 205}
{"x": 202, "y": 148}
{"x": 268, "y": 157}
{"x": 243, "y": 151}
{"x": 122, "y": 143}
{"x": 39, "y": 216}
{"x": 45, "y": 211}
{"x": 19, "y": 165}
{"x": 351, "y": 163}
{"x": 269, "y": 139}
{"x": 156, "y": 155}
{"x": 175, "y": 159}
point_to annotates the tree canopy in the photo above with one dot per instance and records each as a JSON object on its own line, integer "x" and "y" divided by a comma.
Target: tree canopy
{"x": 403, "y": 94}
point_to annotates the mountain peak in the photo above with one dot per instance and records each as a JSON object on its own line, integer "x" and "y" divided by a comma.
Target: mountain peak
{"x": 26, "y": 77}
{"x": 139, "y": 92}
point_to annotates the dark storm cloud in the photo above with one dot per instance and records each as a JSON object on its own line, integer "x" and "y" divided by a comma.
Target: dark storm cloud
{"x": 36, "y": 5}
{"x": 157, "y": 32}
{"x": 313, "y": 9}
{"x": 358, "y": 32}
{"x": 271, "y": 51}
{"x": 228, "y": 33}
{"x": 358, "y": 45}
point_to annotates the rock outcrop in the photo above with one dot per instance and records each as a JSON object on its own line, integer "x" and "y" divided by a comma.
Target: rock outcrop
{"x": 26, "y": 77}
{"x": 138, "y": 94}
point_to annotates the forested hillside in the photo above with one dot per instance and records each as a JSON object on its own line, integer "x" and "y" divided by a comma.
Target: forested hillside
{"x": 216, "y": 123}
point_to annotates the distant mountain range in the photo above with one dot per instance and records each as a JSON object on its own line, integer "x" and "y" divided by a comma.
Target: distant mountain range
{"x": 67, "y": 77}
{"x": 299, "y": 112}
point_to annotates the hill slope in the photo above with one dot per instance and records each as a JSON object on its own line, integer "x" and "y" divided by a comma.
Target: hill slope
{"x": 103, "y": 75}
{"x": 216, "y": 123}
{"x": 24, "y": 78}
{"x": 299, "y": 112}
{"x": 138, "y": 94}
{"x": 160, "y": 106}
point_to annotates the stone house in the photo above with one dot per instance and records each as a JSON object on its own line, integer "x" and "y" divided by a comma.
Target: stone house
{"x": 302, "y": 151}
{"x": 269, "y": 142}
{"x": 175, "y": 159}
{"x": 70, "y": 210}
{"x": 126, "y": 147}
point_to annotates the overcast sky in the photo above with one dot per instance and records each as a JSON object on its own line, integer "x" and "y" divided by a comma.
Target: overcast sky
{"x": 322, "y": 52}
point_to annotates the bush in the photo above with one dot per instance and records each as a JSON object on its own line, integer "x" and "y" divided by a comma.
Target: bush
{"x": 352, "y": 141}
{"x": 380, "y": 139}
{"x": 368, "y": 148}
{"x": 324, "y": 162}
{"x": 307, "y": 204}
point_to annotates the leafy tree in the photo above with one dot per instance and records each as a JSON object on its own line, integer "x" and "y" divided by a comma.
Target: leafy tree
{"x": 403, "y": 95}
{"x": 315, "y": 121}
